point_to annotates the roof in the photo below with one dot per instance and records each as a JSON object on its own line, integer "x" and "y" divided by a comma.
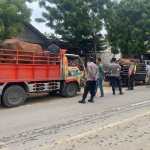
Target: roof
{"x": 46, "y": 41}
{"x": 36, "y": 31}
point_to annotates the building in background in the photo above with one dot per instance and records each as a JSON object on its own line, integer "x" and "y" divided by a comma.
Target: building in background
{"x": 33, "y": 35}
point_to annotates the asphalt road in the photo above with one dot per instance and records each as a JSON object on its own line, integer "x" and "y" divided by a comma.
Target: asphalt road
{"x": 44, "y": 122}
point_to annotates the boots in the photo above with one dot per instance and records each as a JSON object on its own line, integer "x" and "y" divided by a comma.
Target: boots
{"x": 121, "y": 93}
{"x": 82, "y": 101}
{"x": 91, "y": 100}
{"x": 113, "y": 92}
{"x": 132, "y": 88}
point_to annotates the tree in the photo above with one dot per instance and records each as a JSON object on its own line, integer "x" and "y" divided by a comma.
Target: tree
{"x": 86, "y": 45}
{"x": 12, "y": 14}
{"x": 128, "y": 27}
{"x": 30, "y": 1}
{"x": 75, "y": 20}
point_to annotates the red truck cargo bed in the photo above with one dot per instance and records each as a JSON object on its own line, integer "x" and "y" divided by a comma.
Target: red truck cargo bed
{"x": 25, "y": 66}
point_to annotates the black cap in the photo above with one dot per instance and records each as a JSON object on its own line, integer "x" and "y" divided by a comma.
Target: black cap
{"x": 91, "y": 59}
{"x": 54, "y": 41}
{"x": 113, "y": 59}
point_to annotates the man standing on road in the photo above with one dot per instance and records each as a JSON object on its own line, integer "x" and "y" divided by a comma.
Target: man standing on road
{"x": 131, "y": 74}
{"x": 115, "y": 76}
{"x": 148, "y": 74}
{"x": 92, "y": 74}
{"x": 100, "y": 77}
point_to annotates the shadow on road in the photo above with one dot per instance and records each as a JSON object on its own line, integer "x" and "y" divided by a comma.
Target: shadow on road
{"x": 36, "y": 98}
{"x": 106, "y": 84}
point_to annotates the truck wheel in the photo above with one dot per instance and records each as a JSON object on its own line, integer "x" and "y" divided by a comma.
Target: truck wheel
{"x": 14, "y": 96}
{"x": 71, "y": 89}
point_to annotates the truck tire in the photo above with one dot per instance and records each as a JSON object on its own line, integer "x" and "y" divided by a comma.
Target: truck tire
{"x": 14, "y": 96}
{"x": 71, "y": 89}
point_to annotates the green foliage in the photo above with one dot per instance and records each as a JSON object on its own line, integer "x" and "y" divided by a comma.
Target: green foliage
{"x": 86, "y": 45}
{"x": 12, "y": 14}
{"x": 30, "y": 1}
{"x": 128, "y": 27}
{"x": 75, "y": 20}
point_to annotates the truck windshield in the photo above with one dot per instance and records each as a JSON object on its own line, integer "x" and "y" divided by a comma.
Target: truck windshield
{"x": 75, "y": 61}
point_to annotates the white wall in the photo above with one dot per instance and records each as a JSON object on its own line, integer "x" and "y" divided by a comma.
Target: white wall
{"x": 106, "y": 56}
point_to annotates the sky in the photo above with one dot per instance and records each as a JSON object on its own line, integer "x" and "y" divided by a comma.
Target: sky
{"x": 37, "y": 13}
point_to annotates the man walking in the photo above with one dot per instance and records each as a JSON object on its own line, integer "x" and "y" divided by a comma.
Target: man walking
{"x": 100, "y": 77}
{"x": 131, "y": 74}
{"x": 92, "y": 73}
{"x": 148, "y": 74}
{"x": 115, "y": 76}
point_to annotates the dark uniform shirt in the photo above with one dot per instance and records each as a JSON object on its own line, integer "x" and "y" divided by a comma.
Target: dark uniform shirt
{"x": 54, "y": 49}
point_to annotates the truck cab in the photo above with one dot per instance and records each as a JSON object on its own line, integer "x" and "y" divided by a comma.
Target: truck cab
{"x": 74, "y": 69}
{"x": 73, "y": 75}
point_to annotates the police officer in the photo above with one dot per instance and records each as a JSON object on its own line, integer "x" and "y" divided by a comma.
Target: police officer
{"x": 131, "y": 74}
{"x": 92, "y": 75}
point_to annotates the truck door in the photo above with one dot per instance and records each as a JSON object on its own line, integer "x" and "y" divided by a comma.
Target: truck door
{"x": 75, "y": 70}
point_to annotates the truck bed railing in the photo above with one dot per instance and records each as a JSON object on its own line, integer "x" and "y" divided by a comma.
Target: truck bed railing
{"x": 8, "y": 56}
{"x": 140, "y": 68}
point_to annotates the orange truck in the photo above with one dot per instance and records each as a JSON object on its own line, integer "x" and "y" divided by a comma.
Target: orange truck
{"x": 25, "y": 72}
